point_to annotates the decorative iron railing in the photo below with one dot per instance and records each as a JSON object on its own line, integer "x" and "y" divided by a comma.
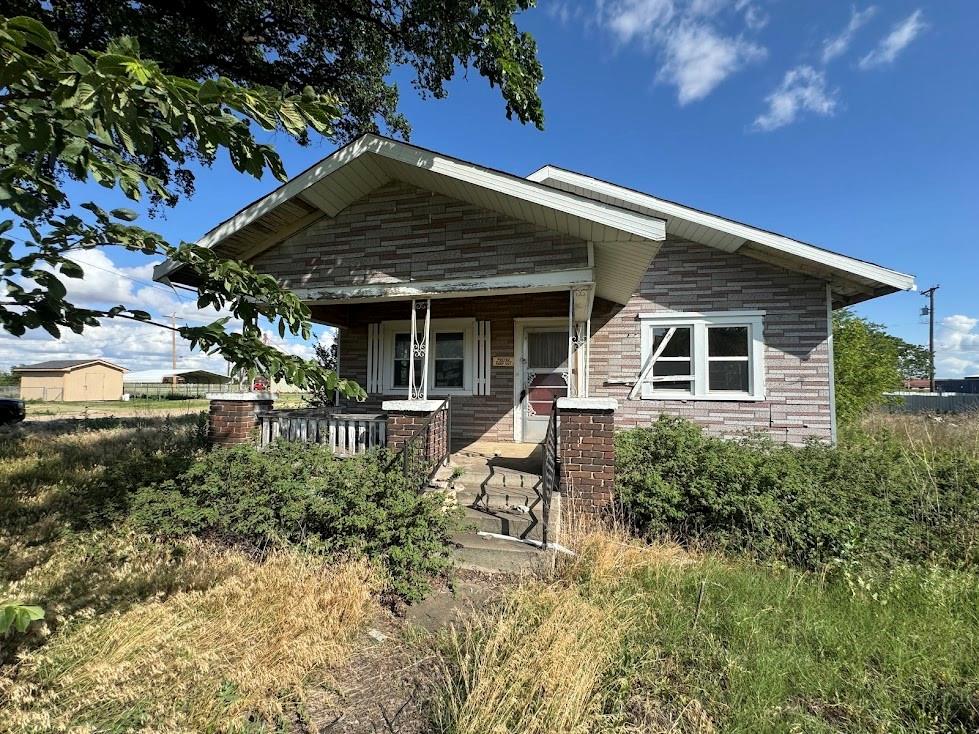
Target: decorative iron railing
{"x": 345, "y": 433}
{"x": 550, "y": 470}
{"x": 428, "y": 447}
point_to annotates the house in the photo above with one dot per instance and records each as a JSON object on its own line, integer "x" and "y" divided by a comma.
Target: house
{"x": 450, "y": 279}
{"x": 71, "y": 380}
{"x": 487, "y": 314}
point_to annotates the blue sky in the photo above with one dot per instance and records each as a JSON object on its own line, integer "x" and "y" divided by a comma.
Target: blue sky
{"x": 851, "y": 126}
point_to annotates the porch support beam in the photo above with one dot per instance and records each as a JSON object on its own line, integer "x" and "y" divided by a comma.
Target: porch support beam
{"x": 555, "y": 280}
{"x": 418, "y": 350}
{"x": 581, "y": 299}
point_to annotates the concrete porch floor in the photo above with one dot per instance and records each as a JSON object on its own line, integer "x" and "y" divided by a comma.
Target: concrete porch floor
{"x": 509, "y": 456}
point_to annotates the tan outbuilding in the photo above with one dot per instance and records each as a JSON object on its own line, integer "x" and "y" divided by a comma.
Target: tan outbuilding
{"x": 71, "y": 380}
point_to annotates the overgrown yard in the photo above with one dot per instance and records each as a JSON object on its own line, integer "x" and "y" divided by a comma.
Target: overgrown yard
{"x": 249, "y": 612}
{"x": 185, "y": 635}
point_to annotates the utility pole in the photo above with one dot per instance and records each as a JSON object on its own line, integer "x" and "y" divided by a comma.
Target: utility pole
{"x": 173, "y": 352}
{"x": 930, "y": 295}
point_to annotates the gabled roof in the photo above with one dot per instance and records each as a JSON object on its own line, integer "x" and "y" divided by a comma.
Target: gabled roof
{"x": 64, "y": 365}
{"x": 371, "y": 161}
{"x": 625, "y": 226}
{"x": 852, "y": 279}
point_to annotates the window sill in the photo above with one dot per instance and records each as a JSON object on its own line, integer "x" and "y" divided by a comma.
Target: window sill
{"x": 713, "y": 397}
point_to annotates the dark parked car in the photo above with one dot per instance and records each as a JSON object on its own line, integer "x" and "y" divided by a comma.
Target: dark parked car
{"x": 11, "y": 411}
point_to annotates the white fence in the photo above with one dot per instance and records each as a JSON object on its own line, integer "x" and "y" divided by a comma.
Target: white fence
{"x": 909, "y": 402}
{"x": 345, "y": 433}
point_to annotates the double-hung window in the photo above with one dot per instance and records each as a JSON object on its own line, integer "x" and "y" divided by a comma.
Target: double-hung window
{"x": 449, "y": 356}
{"x": 711, "y": 356}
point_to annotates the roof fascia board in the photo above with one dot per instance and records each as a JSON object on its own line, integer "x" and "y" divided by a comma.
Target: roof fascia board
{"x": 69, "y": 369}
{"x": 861, "y": 269}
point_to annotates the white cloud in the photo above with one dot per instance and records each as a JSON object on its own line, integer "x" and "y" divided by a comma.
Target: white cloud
{"x": 754, "y": 17}
{"x": 957, "y": 346}
{"x": 630, "y": 20}
{"x": 838, "y": 44}
{"x": 695, "y": 49}
{"x": 894, "y": 42}
{"x": 133, "y": 345}
{"x": 698, "y": 59}
{"x": 803, "y": 89}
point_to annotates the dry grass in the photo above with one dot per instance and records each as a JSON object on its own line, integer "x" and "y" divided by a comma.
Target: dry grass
{"x": 214, "y": 659}
{"x": 536, "y": 666}
{"x": 927, "y": 432}
{"x": 546, "y": 660}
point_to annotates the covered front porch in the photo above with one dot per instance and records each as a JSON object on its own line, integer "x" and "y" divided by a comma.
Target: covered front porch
{"x": 502, "y": 358}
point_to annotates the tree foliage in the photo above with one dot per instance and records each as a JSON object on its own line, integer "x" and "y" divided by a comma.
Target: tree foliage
{"x": 91, "y": 116}
{"x": 347, "y": 49}
{"x": 867, "y": 363}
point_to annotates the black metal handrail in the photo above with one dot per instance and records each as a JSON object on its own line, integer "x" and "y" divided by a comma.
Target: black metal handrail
{"x": 550, "y": 471}
{"x": 428, "y": 447}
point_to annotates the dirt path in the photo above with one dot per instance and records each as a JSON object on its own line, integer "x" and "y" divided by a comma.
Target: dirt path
{"x": 386, "y": 685}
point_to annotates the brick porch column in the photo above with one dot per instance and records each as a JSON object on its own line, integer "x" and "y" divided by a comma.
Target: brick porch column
{"x": 405, "y": 417}
{"x": 586, "y": 434}
{"x": 233, "y": 416}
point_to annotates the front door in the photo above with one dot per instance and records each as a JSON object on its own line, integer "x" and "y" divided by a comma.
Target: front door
{"x": 545, "y": 378}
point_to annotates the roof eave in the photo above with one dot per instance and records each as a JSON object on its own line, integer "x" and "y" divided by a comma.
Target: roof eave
{"x": 886, "y": 280}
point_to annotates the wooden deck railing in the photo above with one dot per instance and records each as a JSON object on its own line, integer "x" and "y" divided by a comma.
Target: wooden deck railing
{"x": 346, "y": 433}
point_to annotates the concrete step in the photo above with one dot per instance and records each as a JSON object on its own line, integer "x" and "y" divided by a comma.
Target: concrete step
{"x": 500, "y": 522}
{"x": 495, "y": 555}
{"x": 498, "y": 498}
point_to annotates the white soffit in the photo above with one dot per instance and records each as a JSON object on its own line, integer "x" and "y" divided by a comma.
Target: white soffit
{"x": 730, "y": 236}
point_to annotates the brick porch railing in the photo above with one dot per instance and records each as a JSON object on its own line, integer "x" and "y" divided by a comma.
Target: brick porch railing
{"x": 586, "y": 437}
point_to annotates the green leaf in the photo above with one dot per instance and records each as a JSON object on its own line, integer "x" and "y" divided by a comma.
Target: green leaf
{"x": 35, "y": 32}
{"x": 127, "y": 215}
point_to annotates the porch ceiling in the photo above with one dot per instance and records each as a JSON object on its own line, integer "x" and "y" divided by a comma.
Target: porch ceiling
{"x": 625, "y": 241}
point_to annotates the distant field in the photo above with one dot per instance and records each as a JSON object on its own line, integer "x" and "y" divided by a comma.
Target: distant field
{"x": 130, "y": 407}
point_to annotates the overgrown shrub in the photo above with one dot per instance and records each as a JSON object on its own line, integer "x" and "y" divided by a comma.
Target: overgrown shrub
{"x": 870, "y": 499}
{"x": 297, "y": 493}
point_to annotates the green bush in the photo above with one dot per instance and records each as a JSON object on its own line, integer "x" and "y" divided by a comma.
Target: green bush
{"x": 297, "y": 493}
{"x": 870, "y": 499}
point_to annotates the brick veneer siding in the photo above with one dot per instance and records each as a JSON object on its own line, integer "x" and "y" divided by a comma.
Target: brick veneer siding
{"x": 234, "y": 420}
{"x": 686, "y": 276}
{"x": 587, "y": 446}
{"x": 402, "y": 425}
{"x": 399, "y": 232}
{"x": 474, "y": 417}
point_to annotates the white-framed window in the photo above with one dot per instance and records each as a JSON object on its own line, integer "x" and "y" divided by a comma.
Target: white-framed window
{"x": 451, "y": 356}
{"x": 702, "y": 356}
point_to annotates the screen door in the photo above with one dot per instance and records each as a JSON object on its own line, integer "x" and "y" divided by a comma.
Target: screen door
{"x": 545, "y": 378}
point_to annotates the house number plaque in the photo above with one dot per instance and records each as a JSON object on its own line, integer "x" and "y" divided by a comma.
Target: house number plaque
{"x": 503, "y": 361}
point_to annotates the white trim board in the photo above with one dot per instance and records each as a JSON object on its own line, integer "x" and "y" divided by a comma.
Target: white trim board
{"x": 555, "y": 280}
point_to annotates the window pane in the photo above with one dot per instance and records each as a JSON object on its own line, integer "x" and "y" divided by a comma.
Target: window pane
{"x": 680, "y": 367}
{"x": 679, "y": 345}
{"x": 449, "y": 346}
{"x": 727, "y": 341}
{"x": 665, "y": 369}
{"x": 401, "y": 373}
{"x": 402, "y": 346}
{"x": 448, "y": 373}
{"x": 728, "y": 376}
{"x": 547, "y": 349}
{"x": 683, "y": 385}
